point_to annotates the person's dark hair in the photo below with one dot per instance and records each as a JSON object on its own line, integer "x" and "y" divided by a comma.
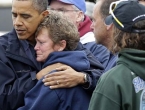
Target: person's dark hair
{"x": 39, "y": 5}
{"x": 104, "y": 8}
{"x": 129, "y": 40}
{"x": 60, "y": 28}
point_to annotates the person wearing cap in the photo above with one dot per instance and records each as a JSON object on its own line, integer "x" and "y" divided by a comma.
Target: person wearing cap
{"x": 123, "y": 87}
{"x": 74, "y": 10}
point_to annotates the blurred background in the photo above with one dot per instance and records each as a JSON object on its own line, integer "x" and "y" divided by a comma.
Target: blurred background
{"x": 6, "y": 17}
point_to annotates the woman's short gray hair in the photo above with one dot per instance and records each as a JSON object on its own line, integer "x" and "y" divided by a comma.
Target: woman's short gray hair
{"x": 60, "y": 28}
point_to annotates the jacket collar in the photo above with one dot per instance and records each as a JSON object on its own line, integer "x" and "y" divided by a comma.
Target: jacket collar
{"x": 14, "y": 45}
{"x": 134, "y": 59}
{"x": 84, "y": 27}
{"x": 15, "y": 51}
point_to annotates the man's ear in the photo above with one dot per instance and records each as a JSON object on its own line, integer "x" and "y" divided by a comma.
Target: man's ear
{"x": 45, "y": 13}
{"x": 109, "y": 26}
{"x": 62, "y": 45}
{"x": 80, "y": 17}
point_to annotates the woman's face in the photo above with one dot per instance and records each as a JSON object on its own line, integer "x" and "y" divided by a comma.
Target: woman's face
{"x": 44, "y": 45}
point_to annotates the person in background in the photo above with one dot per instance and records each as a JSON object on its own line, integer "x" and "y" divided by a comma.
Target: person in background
{"x": 122, "y": 88}
{"x": 103, "y": 32}
{"x": 56, "y": 38}
{"x": 19, "y": 70}
{"x": 75, "y": 11}
{"x": 89, "y": 9}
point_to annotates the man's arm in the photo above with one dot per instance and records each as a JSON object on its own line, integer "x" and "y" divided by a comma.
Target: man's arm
{"x": 47, "y": 70}
{"x": 41, "y": 98}
{"x": 13, "y": 85}
{"x": 12, "y": 88}
{"x": 67, "y": 77}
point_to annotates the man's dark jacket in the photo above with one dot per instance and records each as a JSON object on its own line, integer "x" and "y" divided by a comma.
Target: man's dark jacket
{"x": 18, "y": 72}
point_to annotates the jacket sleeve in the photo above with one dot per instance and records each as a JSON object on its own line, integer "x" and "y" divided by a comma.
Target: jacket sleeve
{"x": 100, "y": 52}
{"x": 12, "y": 87}
{"x": 40, "y": 97}
{"x": 95, "y": 71}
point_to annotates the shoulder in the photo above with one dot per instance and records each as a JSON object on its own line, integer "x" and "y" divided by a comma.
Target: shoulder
{"x": 4, "y": 39}
{"x": 99, "y": 51}
{"x": 112, "y": 62}
{"x": 115, "y": 76}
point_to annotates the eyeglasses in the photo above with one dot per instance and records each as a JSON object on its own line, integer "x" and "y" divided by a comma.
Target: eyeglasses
{"x": 62, "y": 10}
{"x": 111, "y": 9}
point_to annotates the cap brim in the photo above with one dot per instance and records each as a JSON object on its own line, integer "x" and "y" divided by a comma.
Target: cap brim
{"x": 108, "y": 20}
{"x": 65, "y": 1}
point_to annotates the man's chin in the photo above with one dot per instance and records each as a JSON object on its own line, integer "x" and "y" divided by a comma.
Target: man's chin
{"x": 22, "y": 37}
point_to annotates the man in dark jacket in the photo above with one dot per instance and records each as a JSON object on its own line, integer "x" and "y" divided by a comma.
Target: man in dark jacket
{"x": 18, "y": 65}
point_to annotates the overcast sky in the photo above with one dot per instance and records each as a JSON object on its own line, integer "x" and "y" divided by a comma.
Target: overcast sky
{"x": 5, "y": 2}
